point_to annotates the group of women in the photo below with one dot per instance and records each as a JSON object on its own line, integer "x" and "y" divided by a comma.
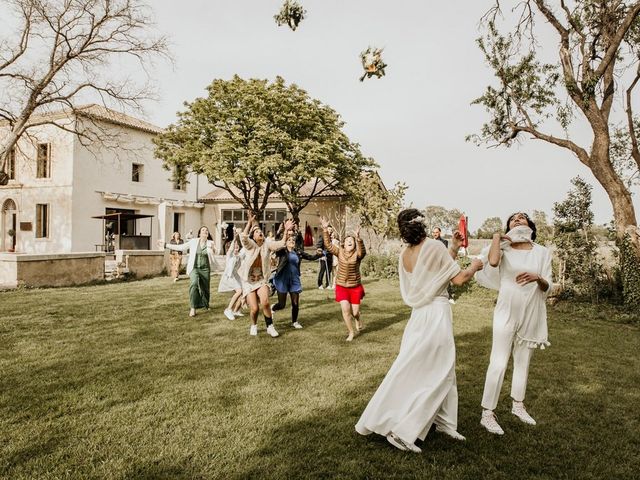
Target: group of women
{"x": 248, "y": 272}
{"x": 419, "y": 391}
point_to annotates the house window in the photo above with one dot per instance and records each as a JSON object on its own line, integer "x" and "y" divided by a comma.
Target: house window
{"x": 178, "y": 222}
{"x": 136, "y": 172}
{"x": 11, "y": 164}
{"x": 43, "y": 161}
{"x": 42, "y": 220}
{"x": 179, "y": 178}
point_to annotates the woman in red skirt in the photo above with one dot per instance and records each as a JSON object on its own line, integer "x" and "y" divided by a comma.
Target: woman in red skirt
{"x": 349, "y": 289}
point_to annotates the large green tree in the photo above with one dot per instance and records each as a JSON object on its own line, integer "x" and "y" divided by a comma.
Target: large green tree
{"x": 596, "y": 67}
{"x": 255, "y": 138}
{"x": 441, "y": 217}
{"x": 490, "y": 226}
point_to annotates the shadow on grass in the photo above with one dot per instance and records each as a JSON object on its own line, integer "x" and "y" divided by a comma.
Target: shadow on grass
{"x": 568, "y": 442}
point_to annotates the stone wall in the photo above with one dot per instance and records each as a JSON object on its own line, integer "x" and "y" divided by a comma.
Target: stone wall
{"x": 142, "y": 263}
{"x": 50, "y": 270}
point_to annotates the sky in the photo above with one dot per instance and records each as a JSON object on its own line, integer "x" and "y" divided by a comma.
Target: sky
{"x": 413, "y": 121}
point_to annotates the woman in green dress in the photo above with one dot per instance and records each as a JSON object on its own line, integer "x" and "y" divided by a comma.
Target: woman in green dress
{"x": 199, "y": 266}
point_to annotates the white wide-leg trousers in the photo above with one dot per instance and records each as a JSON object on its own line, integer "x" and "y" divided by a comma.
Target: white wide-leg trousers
{"x": 503, "y": 341}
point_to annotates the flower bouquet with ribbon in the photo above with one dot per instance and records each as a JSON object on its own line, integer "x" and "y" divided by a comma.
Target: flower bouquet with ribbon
{"x": 372, "y": 63}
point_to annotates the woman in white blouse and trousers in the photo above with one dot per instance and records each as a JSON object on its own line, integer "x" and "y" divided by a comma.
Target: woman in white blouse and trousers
{"x": 521, "y": 270}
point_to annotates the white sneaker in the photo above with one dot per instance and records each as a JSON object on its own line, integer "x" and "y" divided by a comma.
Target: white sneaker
{"x": 400, "y": 444}
{"x": 320, "y": 287}
{"x": 452, "y": 301}
{"x": 519, "y": 411}
{"x": 238, "y": 314}
{"x": 271, "y": 330}
{"x": 253, "y": 330}
{"x": 296, "y": 325}
{"x": 452, "y": 433}
{"x": 489, "y": 422}
{"x": 229, "y": 314}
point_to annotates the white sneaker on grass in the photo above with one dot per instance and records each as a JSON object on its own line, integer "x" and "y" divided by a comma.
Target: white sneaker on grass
{"x": 320, "y": 287}
{"x": 296, "y": 325}
{"x": 490, "y": 422}
{"x": 519, "y": 411}
{"x": 452, "y": 433}
{"x": 271, "y": 330}
{"x": 253, "y": 330}
{"x": 229, "y": 314}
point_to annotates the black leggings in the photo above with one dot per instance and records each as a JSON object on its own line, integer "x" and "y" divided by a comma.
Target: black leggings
{"x": 282, "y": 302}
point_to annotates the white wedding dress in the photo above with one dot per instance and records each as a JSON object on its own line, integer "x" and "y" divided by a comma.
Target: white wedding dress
{"x": 420, "y": 387}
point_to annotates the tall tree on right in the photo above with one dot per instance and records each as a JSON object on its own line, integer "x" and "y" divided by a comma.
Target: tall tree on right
{"x": 597, "y": 68}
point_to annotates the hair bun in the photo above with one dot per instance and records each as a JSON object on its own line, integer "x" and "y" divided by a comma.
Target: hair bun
{"x": 411, "y": 226}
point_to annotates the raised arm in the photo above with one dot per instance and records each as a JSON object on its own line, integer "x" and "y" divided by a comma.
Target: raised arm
{"x": 326, "y": 239}
{"x": 275, "y": 245}
{"x": 465, "y": 275}
{"x": 455, "y": 244}
{"x": 246, "y": 242}
{"x": 494, "y": 252}
{"x": 178, "y": 248}
{"x": 361, "y": 250}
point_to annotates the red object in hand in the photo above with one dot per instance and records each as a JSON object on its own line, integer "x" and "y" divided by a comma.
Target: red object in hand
{"x": 462, "y": 228}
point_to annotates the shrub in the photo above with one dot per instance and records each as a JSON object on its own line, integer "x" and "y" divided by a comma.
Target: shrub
{"x": 380, "y": 266}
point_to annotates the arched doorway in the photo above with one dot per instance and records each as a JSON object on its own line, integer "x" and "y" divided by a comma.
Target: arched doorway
{"x": 8, "y": 226}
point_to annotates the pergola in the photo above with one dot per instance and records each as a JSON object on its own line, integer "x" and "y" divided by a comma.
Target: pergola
{"x": 128, "y": 242}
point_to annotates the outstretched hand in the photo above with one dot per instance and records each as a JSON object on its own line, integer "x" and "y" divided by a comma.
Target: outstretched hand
{"x": 324, "y": 223}
{"x": 160, "y": 244}
{"x": 288, "y": 225}
{"x": 357, "y": 231}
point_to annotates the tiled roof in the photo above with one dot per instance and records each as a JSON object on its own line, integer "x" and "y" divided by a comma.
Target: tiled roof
{"x": 97, "y": 112}
{"x": 100, "y": 112}
{"x": 221, "y": 195}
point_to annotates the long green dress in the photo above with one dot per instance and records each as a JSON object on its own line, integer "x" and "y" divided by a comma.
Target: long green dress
{"x": 200, "y": 278}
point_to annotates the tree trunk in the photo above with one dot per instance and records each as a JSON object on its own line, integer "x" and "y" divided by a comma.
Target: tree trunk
{"x": 624, "y": 217}
{"x": 624, "y": 214}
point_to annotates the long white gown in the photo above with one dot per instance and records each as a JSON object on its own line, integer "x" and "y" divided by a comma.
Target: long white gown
{"x": 420, "y": 387}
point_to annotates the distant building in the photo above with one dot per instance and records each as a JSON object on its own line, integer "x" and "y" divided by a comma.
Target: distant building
{"x": 57, "y": 185}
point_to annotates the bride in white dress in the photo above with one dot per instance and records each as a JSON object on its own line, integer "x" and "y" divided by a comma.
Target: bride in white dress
{"x": 420, "y": 387}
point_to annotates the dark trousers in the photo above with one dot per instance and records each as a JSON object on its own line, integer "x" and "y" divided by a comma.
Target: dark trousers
{"x": 325, "y": 271}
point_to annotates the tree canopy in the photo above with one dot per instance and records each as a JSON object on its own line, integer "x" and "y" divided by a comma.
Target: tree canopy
{"x": 254, "y": 138}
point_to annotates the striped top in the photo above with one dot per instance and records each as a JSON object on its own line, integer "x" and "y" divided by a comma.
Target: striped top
{"x": 348, "y": 274}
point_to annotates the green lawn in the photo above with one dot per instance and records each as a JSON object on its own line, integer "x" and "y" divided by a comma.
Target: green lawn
{"x": 116, "y": 381}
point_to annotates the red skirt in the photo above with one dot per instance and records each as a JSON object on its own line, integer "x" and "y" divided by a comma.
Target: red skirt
{"x": 353, "y": 295}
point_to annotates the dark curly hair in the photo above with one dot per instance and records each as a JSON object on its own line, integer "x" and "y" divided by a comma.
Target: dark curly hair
{"x": 412, "y": 232}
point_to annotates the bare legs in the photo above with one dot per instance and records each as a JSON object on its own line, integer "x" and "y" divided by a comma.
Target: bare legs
{"x": 234, "y": 305}
{"x": 348, "y": 311}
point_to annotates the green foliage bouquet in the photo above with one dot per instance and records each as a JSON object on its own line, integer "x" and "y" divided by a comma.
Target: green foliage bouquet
{"x": 290, "y": 14}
